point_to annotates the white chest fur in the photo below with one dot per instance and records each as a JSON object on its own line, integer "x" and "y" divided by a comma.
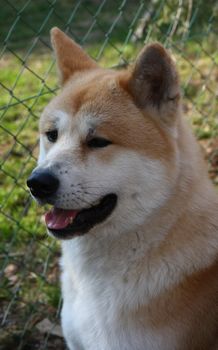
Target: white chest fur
{"x": 100, "y": 290}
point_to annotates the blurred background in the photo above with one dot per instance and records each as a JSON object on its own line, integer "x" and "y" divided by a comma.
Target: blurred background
{"x": 112, "y": 31}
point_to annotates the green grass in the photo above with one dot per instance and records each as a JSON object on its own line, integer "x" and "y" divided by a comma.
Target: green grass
{"x": 28, "y": 81}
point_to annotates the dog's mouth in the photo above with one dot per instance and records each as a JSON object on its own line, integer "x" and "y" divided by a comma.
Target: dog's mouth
{"x": 66, "y": 224}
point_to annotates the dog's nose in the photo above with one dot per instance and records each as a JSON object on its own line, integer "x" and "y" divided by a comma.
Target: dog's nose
{"x": 42, "y": 183}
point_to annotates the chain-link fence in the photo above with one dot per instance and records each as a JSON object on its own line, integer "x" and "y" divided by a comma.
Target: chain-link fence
{"x": 112, "y": 31}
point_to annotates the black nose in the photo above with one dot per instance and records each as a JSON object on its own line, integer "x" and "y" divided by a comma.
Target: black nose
{"x": 42, "y": 183}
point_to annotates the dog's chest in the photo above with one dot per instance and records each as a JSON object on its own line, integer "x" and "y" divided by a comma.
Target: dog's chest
{"x": 95, "y": 315}
{"x": 95, "y": 322}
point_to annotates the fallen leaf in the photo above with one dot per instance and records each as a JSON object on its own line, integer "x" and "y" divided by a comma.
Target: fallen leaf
{"x": 46, "y": 326}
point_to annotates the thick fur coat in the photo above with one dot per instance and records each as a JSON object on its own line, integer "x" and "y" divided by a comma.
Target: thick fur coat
{"x": 146, "y": 278}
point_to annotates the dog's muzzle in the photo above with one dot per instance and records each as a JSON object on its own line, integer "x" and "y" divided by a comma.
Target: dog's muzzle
{"x": 68, "y": 223}
{"x": 42, "y": 184}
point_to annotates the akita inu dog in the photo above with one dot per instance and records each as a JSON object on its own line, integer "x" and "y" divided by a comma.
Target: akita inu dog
{"x": 132, "y": 204}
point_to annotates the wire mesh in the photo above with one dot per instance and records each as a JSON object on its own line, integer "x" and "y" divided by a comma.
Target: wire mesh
{"x": 112, "y": 32}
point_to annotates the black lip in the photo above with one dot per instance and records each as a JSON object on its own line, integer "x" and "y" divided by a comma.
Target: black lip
{"x": 87, "y": 218}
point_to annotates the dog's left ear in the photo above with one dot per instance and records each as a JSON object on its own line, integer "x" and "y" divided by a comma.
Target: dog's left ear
{"x": 69, "y": 56}
{"x": 154, "y": 80}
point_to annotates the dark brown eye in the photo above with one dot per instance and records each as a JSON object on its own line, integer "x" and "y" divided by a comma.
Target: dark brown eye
{"x": 52, "y": 135}
{"x": 98, "y": 142}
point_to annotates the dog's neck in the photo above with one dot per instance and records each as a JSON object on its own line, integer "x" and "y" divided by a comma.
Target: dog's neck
{"x": 157, "y": 256}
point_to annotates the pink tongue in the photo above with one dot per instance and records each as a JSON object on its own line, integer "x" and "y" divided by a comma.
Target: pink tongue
{"x": 59, "y": 218}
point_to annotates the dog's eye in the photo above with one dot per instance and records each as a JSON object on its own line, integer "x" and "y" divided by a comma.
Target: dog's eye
{"x": 98, "y": 142}
{"x": 52, "y": 135}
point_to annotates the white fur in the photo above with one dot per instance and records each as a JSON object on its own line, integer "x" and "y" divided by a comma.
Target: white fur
{"x": 130, "y": 282}
{"x": 42, "y": 151}
{"x": 62, "y": 119}
{"x": 93, "y": 280}
{"x": 111, "y": 271}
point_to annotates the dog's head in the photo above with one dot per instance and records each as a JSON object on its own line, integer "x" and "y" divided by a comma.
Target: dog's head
{"x": 107, "y": 142}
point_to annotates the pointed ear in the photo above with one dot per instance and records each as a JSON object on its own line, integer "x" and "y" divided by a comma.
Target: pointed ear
{"x": 69, "y": 56}
{"x": 154, "y": 80}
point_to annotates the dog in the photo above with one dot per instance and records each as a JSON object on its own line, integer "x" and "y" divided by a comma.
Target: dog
{"x": 132, "y": 205}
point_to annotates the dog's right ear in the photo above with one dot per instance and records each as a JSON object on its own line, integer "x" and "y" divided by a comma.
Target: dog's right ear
{"x": 69, "y": 56}
{"x": 153, "y": 83}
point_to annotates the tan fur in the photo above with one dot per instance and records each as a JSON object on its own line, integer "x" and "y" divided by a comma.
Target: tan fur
{"x": 140, "y": 110}
{"x": 122, "y": 122}
{"x": 184, "y": 307}
{"x": 65, "y": 50}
